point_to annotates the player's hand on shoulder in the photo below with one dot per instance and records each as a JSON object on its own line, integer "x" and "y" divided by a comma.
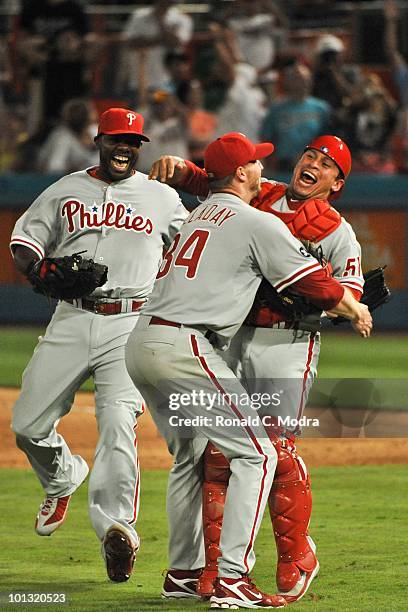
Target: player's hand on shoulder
{"x": 168, "y": 169}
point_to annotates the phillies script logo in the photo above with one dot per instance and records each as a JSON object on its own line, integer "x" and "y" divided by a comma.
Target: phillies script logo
{"x": 111, "y": 215}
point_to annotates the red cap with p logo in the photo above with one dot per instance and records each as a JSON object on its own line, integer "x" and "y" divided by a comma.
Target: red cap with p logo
{"x": 121, "y": 121}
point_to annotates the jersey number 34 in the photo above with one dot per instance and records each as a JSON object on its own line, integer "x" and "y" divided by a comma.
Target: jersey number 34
{"x": 188, "y": 256}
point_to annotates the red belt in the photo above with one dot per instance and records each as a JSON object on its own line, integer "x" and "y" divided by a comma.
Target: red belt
{"x": 106, "y": 308}
{"x": 294, "y": 325}
{"x": 278, "y": 325}
{"x": 159, "y": 321}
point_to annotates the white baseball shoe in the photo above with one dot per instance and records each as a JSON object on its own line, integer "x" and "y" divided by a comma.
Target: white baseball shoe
{"x": 181, "y": 584}
{"x": 53, "y": 510}
{"x": 241, "y": 592}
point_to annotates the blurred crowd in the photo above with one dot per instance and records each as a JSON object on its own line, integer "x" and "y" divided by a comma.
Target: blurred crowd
{"x": 237, "y": 65}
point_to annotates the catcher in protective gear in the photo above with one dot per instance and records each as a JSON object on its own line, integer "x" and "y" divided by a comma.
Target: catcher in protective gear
{"x": 67, "y": 277}
{"x": 264, "y": 353}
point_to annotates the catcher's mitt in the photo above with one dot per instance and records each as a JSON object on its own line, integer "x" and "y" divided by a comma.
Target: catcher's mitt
{"x": 292, "y": 306}
{"x": 375, "y": 294}
{"x": 66, "y": 277}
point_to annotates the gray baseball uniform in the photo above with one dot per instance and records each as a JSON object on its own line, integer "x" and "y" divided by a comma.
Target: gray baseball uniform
{"x": 123, "y": 225}
{"x": 207, "y": 282}
{"x": 273, "y": 359}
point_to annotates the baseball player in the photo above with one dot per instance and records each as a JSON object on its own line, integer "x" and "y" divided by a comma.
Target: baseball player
{"x": 273, "y": 352}
{"x": 204, "y": 291}
{"x": 122, "y": 220}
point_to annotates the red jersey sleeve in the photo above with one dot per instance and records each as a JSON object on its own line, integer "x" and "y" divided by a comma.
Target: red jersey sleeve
{"x": 196, "y": 181}
{"x": 322, "y": 290}
{"x": 356, "y": 293}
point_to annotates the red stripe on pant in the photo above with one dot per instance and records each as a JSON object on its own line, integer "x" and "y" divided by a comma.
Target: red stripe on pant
{"x": 211, "y": 375}
{"x": 137, "y": 484}
{"x": 306, "y": 373}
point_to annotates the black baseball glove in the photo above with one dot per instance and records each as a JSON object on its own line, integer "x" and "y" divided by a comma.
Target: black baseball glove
{"x": 66, "y": 277}
{"x": 375, "y": 294}
{"x": 292, "y": 306}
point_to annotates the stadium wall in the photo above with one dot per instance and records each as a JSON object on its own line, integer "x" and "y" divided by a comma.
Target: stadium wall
{"x": 377, "y": 207}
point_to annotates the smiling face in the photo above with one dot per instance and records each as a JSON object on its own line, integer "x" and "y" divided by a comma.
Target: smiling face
{"x": 118, "y": 154}
{"x": 315, "y": 176}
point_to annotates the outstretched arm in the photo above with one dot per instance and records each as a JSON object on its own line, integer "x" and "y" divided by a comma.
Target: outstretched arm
{"x": 358, "y": 314}
{"x": 328, "y": 294}
{"x": 169, "y": 169}
{"x": 181, "y": 173}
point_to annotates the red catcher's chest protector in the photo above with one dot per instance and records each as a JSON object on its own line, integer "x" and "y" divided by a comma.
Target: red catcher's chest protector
{"x": 312, "y": 219}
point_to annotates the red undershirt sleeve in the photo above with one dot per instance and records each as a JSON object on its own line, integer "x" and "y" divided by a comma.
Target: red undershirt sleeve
{"x": 323, "y": 291}
{"x": 196, "y": 182}
{"x": 357, "y": 294}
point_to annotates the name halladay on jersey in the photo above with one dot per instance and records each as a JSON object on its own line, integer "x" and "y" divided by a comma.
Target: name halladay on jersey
{"x": 110, "y": 214}
{"x": 213, "y": 213}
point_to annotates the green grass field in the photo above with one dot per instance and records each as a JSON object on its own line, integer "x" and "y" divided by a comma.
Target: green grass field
{"x": 358, "y": 524}
{"x": 343, "y": 355}
{"x": 359, "y": 520}
{"x": 384, "y": 356}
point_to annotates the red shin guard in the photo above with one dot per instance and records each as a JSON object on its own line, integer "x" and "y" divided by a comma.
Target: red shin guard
{"x": 290, "y": 506}
{"x": 216, "y": 476}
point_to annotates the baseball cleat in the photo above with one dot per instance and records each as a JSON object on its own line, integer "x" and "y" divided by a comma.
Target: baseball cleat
{"x": 181, "y": 584}
{"x": 119, "y": 552}
{"x": 302, "y": 585}
{"x": 52, "y": 513}
{"x": 53, "y": 510}
{"x": 241, "y": 592}
{"x": 304, "y": 576}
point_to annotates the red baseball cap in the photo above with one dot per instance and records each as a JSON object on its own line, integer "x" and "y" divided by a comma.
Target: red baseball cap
{"x": 224, "y": 155}
{"x": 121, "y": 121}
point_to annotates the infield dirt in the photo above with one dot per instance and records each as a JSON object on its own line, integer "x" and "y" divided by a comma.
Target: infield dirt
{"x": 80, "y": 431}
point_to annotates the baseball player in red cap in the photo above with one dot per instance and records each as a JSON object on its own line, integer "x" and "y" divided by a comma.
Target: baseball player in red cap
{"x": 122, "y": 220}
{"x": 273, "y": 352}
{"x": 203, "y": 292}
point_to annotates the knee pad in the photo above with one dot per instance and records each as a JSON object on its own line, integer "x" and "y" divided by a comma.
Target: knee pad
{"x": 216, "y": 466}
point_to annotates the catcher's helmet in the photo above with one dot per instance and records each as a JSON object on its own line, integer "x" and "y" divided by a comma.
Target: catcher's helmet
{"x": 336, "y": 149}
